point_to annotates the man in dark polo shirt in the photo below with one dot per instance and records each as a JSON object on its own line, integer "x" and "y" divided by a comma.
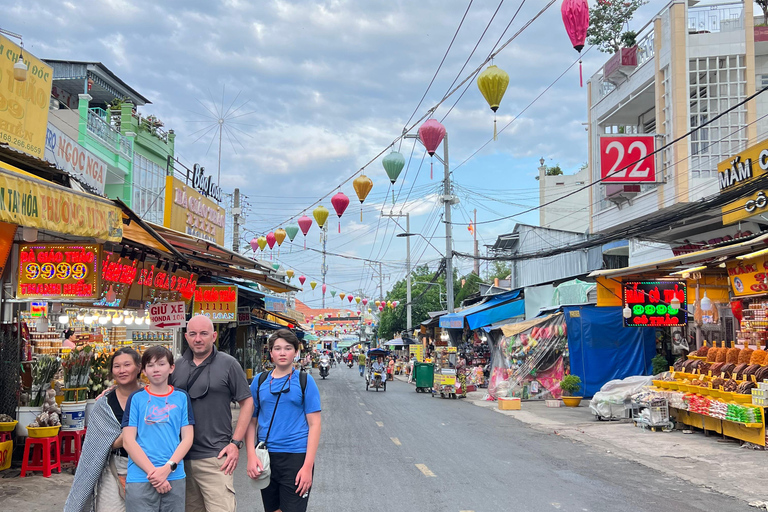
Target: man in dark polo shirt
{"x": 212, "y": 379}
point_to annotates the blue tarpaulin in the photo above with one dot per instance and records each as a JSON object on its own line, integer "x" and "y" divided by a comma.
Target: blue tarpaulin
{"x": 497, "y": 308}
{"x": 601, "y": 349}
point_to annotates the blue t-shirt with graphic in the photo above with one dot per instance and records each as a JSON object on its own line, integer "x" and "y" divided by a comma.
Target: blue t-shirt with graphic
{"x": 158, "y": 420}
{"x": 290, "y": 429}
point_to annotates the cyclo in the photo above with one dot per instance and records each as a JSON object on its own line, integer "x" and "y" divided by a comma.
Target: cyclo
{"x": 376, "y": 379}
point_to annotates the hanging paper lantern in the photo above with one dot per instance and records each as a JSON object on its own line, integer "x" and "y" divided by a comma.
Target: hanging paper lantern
{"x": 493, "y": 84}
{"x": 363, "y": 185}
{"x": 302, "y": 279}
{"x": 304, "y": 224}
{"x": 342, "y": 295}
{"x": 395, "y": 303}
{"x": 350, "y": 298}
{"x": 292, "y": 231}
{"x": 359, "y": 312}
{"x": 378, "y": 303}
{"x": 324, "y": 287}
{"x": 389, "y": 303}
{"x": 280, "y": 236}
{"x": 290, "y": 273}
{"x": 381, "y": 308}
{"x": 271, "y": 239}
{"x": 333, "y": 293}
{"x": 254, "y": 244}
{"x": 358, "y": 299}
{"x": 262, "y": 241}
{"x": 365, "y": 302}
{"x": 340, "y": 201}
{"x": 431, "y": 134}
{"x": 276, "y": 266}
{"x": 393, "y": 163}
{"x": 313, "y": 284}
{"x": 576, "y": 20}
{"x": 370, "y": 310}
{"x": 321, "y": 215}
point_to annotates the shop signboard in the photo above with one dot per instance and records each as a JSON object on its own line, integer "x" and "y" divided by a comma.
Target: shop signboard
{"x": 58, "y": 271}
{"x": 618, "y": 154}
{"x": 168, "y": 315}
{"x": 418, "y": 351}
{"x": 444, "y": 380}
{"x": 29, "y": 201}
{"x": 649, "y": 303}
{"x": 217, "y": 302}
{"x": 156, "y": 283}
{"x": 188, "y": 211}
{"x": 24, "y": 112}
{"x": 747, "y": 277}
{"x": 69, "y": 156}
{"x": 244, "y": 315}
{"x": 737, "y": 170}
{"x": 117, "y": 276}
{"x": 275, "y": 304}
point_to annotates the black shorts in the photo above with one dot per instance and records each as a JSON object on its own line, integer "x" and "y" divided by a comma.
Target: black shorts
{"x": 280, "y": 494}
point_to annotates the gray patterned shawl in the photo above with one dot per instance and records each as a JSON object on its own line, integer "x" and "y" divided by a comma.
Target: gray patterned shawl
{"x": 103, "y": 429}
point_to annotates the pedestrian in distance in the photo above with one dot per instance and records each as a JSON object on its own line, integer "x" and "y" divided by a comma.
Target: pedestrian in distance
{"x": 287, "y": 419}
{"x": 213, "y": 380}
{"x": 105, "y": 473}
{"x": 361, "y": 362}
{"x": 157, "y": 434}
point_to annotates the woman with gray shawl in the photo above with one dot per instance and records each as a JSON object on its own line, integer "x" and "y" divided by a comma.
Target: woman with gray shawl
{"x": 100, "y": 483}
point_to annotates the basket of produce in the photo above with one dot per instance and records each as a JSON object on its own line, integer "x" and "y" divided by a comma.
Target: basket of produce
{"x": 7, "y": 424}
{"x": 54, "y": 431}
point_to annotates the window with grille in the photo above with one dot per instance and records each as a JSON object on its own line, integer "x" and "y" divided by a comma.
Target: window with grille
{"x": 716, "y": 84}
{"x": 148, "y": 189}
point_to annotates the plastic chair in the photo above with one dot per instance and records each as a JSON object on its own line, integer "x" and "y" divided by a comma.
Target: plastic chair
{"x": 5, "y": 436}
{"x": 44, "y": 451}
{"x": 71, "y": 442}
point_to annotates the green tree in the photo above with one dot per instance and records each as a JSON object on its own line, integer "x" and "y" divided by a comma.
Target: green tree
{"x": 471, "y": 286}
{"x": 392, "y": 322}
{"x": 498, "y": 270}
{"x": 607, "y": 22}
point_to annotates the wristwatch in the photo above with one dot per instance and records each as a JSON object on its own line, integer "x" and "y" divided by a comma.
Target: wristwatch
{"x": 173, "y": 465}
{"x": 239, "y": 444}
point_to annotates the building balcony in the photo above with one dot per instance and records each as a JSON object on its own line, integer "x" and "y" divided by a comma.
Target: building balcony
{"x": 100, "y": 128}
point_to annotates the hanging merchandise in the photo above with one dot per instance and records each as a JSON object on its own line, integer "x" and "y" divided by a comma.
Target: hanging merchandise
{"x": 493, "y": 84}
{"x": 312, "y": 284}
{"x": 340, "y": 201}
{"x": 324, "y": 288}
{"x": 321, "y": 215}
{"x": 576, "y": 20}
{"x": 262, "y": 241}
{"x": 302, "y": 279}
{"x": 363, "y": 185}
{"x": 431, "y": 134}
{"x": 280, "y": 236}
{"x": 393, "y": 163}
{"x": 290, "y": 274}
{"x": 304, "y": 224}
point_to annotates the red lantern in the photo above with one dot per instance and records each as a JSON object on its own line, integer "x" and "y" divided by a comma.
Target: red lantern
{"x": 304, "y": 224}
{"x": 302, "y": 279}
{"x": 340, "y": 202}
{"x": 736, "y": 307}
{"x": 431, "y": 134}
{"x": 576, "y": 20}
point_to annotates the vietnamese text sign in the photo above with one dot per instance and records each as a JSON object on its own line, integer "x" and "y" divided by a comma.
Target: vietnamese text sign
{"x": 418, "y": 351}
{"x": 740, "y": 168}
{"x": 747, "y": 276}
{"x": 618, "y": 155}
{"x": 69, "y": 156}
{"x": 24, "y": 105}
{"x": 167, "y": 315}
{"x": 117, "y": 276}
{"x": 154, "y": 284}
{"x": 58, "y": 271}
{"x": 244, "y": 315}
{"x": 649, "y": 303}
{"x": 219, "y": 303}
{"x": 36, "y": 203}
{"x": 187, "y": 211}
{"x": 275, "y": 304}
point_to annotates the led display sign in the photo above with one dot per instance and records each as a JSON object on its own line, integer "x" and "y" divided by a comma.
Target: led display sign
{"x": 58, "y": 271}
{"x": 649, "y": 302}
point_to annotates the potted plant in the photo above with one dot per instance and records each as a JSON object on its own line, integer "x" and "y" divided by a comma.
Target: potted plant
{"x": 570, "y": 385}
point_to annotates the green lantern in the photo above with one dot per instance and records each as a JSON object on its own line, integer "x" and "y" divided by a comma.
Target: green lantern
{"x": 393, "y": 163}
{"x": 292, "y": 231}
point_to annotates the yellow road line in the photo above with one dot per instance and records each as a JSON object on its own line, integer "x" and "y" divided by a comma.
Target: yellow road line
{"x": 379, "y": 423}
{"x": 396, "y": 441}
{"x": 424, "y": 469}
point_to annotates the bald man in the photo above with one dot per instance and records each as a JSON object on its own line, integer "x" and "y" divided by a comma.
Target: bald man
{"x": 212, "y": 379}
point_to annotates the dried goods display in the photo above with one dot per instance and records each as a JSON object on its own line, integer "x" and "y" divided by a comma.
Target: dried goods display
{"x": 745, "y": 388}
{"x": 730, "y": 385}
{"x": 738, "y": 372}
{"x": 702, "y": 351}
{"x": 727, "y": 370}
{"x": 745, "y": 355}
{"x": 733, "y": 355}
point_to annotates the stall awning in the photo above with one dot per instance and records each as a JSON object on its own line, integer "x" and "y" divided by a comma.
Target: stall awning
{"x": 495, "y": 309}
{"x": 266, "y": 324}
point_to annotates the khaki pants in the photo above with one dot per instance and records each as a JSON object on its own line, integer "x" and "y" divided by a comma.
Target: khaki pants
{"x": 108, "y": 498}
{"x": 208, "y": 488}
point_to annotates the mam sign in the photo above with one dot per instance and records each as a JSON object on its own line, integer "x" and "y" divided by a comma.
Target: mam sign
{"x": 627, "y": 159}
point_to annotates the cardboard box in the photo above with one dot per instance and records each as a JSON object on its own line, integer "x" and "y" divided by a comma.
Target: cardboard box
{"x": 509, "y": 404}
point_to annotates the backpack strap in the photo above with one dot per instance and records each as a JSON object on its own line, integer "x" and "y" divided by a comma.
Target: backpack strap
{"x": 262, "y": 378}
{"x": 303, "y": 382}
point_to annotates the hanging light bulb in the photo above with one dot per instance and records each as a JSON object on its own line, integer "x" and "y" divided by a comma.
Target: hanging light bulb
{"x": 129, "y": 319}
{"x": 675, "y": 303}
{"x": 88, "y": 319}
{"x": 20, "y": 69}
{"x": 706, "y": 303}
{"x": 627, "y": 312}
{"x": 64, "y": 319}
{"x": 80, "y": 315}
{"x": 103, "y": 318}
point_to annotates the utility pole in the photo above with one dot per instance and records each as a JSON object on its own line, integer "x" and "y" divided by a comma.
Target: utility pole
{"x": 324, "y": 268}
{"x": 236, "y": 211}
{"x": 477, "y": 249}
{"x": 409, "y": 321}
{"x": 448, "y": 200}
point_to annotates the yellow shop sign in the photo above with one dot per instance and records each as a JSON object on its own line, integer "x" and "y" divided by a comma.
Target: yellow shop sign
{"x": 741, "y": 168}
{"x": 188, "y": 211}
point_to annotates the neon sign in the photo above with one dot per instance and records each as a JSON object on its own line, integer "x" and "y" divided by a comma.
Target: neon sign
{"x": 649, "y": 302}
{"x": 219, "y": 303}
{"x": 58, "y": 271}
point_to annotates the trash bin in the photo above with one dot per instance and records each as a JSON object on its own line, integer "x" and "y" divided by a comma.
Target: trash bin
{"x": 424, "y": 375}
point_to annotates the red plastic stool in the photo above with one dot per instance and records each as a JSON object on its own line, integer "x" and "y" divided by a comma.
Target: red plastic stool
{"x": 5, "y": 436}
{"x": 71, "y": 442}
{"x": 45, "y": 455}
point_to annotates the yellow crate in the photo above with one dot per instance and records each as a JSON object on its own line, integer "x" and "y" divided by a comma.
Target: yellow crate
{"x": 43, "y": 431}
{"x": 7, "y": 426}
{"x": 509, "y": 404}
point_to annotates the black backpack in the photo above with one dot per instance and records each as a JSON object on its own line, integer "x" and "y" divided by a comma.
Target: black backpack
{"x": 263, "y": 377}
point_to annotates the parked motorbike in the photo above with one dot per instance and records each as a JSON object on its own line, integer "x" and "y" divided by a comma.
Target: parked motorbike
{"x": 325, "y": 366}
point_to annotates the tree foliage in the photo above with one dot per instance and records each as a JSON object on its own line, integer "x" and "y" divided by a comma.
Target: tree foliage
{"x": 498, "y": 270}
{"x": 763, "y": 4}
{"x": 609, "y": 24}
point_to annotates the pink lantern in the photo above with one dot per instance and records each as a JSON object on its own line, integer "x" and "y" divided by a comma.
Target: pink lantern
{"x": 271, "y": 239}
{"x": 395, "y": 303}
{"x": 340, "y": 202}
{"x": 365, "y": 302}
{"x": 254, "y": 244}
{"x": 304, "y": 223}
{"x": 302, "y": 279}
{"x": 324, "y": 288}
{"x": 381, "y": 308}
{"x": 576, "y": 20}
{"x": 431, "y": 134}
{"x": 358, "y": 312}
{"x": 350, "y": 298}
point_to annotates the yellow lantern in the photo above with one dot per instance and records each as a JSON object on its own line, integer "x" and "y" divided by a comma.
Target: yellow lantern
{"x": 280, "y": 235}
{"x": 342, "y": 295}
{"x": 321, "y": 215}
{"x": 358, "y": 299}
{"x": 290, "y": 274}
{"x": 262, "y": 241}
{"x": 493, "y": 84}
{"x": 363, "y": 185}
{"x": 313, "y": 284}
{"x": 378, "y": 303}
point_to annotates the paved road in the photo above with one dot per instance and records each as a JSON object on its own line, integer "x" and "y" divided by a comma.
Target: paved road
{"x": 399, "y": 450}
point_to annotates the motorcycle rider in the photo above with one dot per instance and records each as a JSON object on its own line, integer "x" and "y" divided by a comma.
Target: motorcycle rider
{"x": 325, "y": 365}
{"x": 378, "y": 367}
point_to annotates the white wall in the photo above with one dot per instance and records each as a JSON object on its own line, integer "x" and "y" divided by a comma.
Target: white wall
{"x": 571, "y": 213}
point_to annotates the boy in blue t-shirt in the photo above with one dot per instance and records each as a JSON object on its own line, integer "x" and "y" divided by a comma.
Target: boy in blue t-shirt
{"x": 155, "y": 418}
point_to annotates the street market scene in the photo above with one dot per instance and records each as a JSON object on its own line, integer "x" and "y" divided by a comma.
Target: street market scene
{"x": 242, "y": 269}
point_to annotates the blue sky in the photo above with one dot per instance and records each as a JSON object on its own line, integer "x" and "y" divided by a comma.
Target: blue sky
{"x": 324, "y": 87}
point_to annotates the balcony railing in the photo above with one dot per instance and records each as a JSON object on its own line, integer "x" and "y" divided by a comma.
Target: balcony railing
{"x": 101, "y": 129}
{"x": 716, "y": 18}
{"x": 645, "y": 47}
